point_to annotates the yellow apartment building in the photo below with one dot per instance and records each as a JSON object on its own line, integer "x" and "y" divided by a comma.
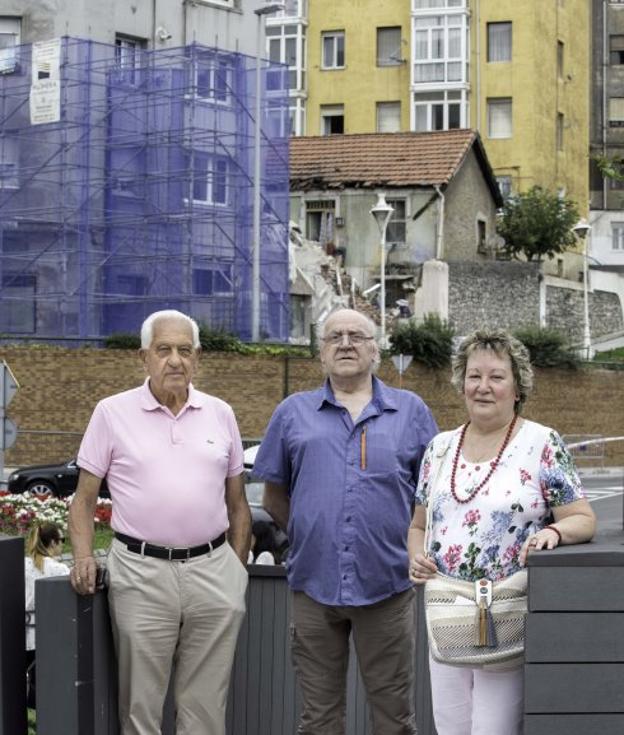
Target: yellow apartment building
{"x": 516, "y": 70}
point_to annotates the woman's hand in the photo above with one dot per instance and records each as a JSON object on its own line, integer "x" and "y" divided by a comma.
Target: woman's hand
{"x": 421, "y": 569}
{"x": 545, "y": 538}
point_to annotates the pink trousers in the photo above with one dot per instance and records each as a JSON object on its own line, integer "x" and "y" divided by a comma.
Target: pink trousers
{"x": 476, "y": 702}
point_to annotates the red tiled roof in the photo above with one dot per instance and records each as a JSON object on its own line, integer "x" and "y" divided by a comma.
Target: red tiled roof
{"x": 378, "y": 159}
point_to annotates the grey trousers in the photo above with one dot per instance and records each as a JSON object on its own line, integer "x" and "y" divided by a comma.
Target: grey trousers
{"x": 183, "y": 612}
{"x": 383, "y": 635}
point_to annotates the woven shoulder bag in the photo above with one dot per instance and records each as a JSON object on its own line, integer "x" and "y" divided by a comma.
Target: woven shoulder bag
{"x": 465, "y": 626}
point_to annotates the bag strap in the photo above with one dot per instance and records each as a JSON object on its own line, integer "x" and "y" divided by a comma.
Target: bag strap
{"x": 440, "y": 456}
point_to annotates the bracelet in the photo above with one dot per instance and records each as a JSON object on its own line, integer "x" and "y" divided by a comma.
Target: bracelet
{"x": 557, "y": 531}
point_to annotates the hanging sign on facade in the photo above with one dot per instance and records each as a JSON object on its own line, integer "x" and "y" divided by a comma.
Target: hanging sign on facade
{"x": 45, "y": 86}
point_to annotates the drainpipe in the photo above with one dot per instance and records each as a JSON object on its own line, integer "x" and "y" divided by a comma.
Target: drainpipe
{"x": 478, "y": 63}
{"x": 440, "y": 238}
{"x": 605, "y": 71}
{"x": 154, "y": 24}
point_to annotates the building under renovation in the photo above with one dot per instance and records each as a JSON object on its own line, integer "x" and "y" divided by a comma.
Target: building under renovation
{"x": 126, "y": 186}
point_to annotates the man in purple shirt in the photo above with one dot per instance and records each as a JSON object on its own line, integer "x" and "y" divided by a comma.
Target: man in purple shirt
{"x": 340, "y": 466}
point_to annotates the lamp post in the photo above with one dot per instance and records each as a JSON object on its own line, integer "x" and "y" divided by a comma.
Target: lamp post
{"x": 582, "y": 230}
{"x": 382, "y": 212}
{"x": 255, "y": 269}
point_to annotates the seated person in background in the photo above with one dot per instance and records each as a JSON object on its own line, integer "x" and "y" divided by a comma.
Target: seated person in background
{"x": 44, "y": 542}
{"x": 265, "y": 548}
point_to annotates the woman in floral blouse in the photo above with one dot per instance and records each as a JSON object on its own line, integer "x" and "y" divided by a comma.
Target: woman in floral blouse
{"x": 496, "y": 482}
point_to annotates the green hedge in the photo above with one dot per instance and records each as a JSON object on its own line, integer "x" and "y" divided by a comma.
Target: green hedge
{"x": 430, "y": 342}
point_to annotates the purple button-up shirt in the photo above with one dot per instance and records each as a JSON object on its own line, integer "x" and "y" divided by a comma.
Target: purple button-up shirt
{"x": 351, "y": 489}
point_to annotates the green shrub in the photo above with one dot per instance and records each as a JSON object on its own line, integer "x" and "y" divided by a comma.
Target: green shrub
{"x": 547, "y": 347}
{"x": 122, "y": 341}
{"x": 430, "y": 342}
{"x": 213, "y": 340}
{"x": 615, "y": 355}
{"x": 217, "y": 340}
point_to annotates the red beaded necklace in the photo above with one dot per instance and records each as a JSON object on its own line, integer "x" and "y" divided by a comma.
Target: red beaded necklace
{"x": 493, "y": 463}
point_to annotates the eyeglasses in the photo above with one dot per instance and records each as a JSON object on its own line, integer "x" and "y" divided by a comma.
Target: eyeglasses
{"x": 353, "y": 338}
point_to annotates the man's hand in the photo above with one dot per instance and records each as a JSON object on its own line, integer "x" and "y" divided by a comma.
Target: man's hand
{"x": 81, "y": 513}
{"x": 83, "y": 575}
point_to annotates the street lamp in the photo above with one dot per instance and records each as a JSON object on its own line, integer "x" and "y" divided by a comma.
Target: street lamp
{"x": 582, "y": 230}
{"x": 255, "y": 270}
{"x": 382, "y": 212}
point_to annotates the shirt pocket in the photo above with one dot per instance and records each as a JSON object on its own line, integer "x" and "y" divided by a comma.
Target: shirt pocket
{"x": 379, "y": 452}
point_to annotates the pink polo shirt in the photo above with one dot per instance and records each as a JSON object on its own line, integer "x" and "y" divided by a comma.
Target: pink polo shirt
{"x": 166, "y": 473}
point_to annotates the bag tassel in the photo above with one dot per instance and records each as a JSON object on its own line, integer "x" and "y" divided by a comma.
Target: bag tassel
{"x": 486, "y": 629}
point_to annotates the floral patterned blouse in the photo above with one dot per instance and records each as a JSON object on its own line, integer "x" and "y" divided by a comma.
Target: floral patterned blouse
{"x": 483, "y": 537}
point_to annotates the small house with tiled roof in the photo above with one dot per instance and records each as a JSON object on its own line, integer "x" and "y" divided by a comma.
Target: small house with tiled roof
{"x": 440, "y": 185}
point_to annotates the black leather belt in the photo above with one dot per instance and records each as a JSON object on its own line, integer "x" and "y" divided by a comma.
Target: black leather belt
{"x": 171, "y": 553}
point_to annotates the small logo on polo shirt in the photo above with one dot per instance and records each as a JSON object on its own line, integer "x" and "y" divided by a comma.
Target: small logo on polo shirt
{"x": 209, "y": 441}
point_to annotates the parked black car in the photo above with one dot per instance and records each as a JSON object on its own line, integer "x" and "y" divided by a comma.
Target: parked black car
{"x": 48, "y": 480}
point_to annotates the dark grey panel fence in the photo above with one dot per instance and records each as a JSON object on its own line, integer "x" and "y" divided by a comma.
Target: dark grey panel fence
{"x": 575, "y": 641}
{"x": 573, "y": 673}
{"x": 76, "y": 662}
{"x": 12, "y": 637}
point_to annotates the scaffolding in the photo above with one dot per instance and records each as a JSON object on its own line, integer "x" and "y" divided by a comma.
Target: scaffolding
{"x": 141, "y": 196}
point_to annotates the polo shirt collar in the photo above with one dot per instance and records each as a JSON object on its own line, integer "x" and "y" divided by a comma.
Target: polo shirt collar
{"x": 382, "y": 396}
{"x": 149, "y": 402}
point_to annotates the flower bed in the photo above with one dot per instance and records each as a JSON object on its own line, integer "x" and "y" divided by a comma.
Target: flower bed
{"x": 18, "y": 513}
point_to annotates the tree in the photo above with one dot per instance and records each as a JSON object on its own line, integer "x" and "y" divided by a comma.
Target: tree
{"x": 610, "y": 168}
{"x": 537, "y": 223}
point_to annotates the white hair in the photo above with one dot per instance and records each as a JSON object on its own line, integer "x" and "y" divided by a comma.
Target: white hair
{"x": 147, "y": 328}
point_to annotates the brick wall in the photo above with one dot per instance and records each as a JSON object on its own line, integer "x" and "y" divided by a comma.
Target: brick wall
{"x": 59, "y": 388}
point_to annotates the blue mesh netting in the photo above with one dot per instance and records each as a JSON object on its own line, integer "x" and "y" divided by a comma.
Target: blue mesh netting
{"x": 141, "y": 197}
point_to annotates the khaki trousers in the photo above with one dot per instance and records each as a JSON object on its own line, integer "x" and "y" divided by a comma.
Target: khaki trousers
{"x": 186, "y": 613}
{"x": 383, "y": 635}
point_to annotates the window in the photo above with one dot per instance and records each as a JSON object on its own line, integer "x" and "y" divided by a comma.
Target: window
{"x": 213, "y": 77}
{"x": 10, "y": 33}
{"x": 128, "y": 57}
{"x": 397, "y": 223}
{"x": 481, "y": 236}
{"x": 418, "y": 4}
{"x": 212, "y": 280}
{"x": 560, "y": 58}
{"x": 210, "y": 179}
{"x": 18, "y": 313}
{"x": 389, "y": 46}
{"x": 9, "y": 162}
{"x": 320, "y": 220}
{"x": 438, "y": 110}
{"x": 333, "y": 52}
{"x": 439, "y": 44}
{"x": 286, "y": 45}
{"x": 617, "y": 236}
{"x": 504, "y": 184}
{"x": 616, "y": 112}
{"x": 499, "y": 118}
{"x": 560, "y": 126}
{"x": 499, "y": 41}
{"x": 388, "y": 117}
{"x": 332, "y": 119}
{"x": 616, "y": 50}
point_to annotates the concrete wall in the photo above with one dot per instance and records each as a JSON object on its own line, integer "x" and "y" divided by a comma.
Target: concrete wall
{"x": 361, "y": 83}
{"x": 360, "y": 235}
{"x": 564, "y": 307}
{"x": 211, "y": 23}
{"x": 530, "y": 155}
{"x": 467, "y": 200}
{"x": 607, "y": 80}
{"x": 498, "y": 293}
{"x": 60, "y": 387}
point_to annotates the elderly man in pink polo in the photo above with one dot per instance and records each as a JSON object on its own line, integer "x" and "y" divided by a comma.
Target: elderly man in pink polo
{"x": 173, "y": 461}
